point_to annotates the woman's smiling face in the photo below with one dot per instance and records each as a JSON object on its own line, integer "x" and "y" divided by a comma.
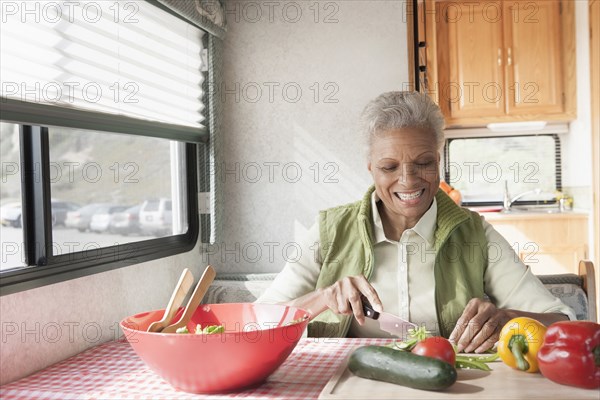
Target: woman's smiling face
{"x": 404, "y": 164}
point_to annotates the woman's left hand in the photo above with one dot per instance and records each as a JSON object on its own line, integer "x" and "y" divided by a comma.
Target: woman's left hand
{"x": 479, "y": 326}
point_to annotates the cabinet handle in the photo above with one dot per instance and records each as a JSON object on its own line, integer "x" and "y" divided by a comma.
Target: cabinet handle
{"x": 509, "y": 57}
{"x": 499, "y": 57}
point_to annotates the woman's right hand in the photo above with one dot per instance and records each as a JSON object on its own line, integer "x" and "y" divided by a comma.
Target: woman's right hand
{"x": 344, "y": 296}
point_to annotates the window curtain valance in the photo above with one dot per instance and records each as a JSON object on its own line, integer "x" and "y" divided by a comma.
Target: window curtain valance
{"x": 206, "y": 14}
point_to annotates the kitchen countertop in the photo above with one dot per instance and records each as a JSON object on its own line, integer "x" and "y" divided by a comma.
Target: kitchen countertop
{"x": 521, "y": 215}
{"x": 114, "y": 371}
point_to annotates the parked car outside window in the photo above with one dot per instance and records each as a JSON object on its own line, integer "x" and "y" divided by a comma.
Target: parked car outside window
{"x": 101, "y": 218}
{"x": 81, "y": 218}
{"x": 60, "y": 210}
{"x": 126, "y": 222}
{"x": 156, "y": 217}
{"x": 10, "y": 214}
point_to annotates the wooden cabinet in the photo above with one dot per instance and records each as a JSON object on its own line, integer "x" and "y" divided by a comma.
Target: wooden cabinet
{"x": 533, "y": 57}
{"x": 475, "y": 83}
{"x": 501, "y": 61}
{"x": 548, "y": 243}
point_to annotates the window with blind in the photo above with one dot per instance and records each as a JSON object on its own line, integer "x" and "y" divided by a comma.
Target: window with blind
{"x": 480, "y": 168}
{"x": 101, "y": 116}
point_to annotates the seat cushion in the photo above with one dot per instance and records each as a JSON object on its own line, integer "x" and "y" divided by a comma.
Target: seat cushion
{"x": 237, "y": 288}
{"x": 569, "y": 289}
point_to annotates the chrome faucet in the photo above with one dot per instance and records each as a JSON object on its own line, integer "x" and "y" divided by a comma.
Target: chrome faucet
{"x": 508, "y": 201}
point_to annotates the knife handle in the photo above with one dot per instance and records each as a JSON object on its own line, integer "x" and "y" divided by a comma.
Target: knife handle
{"x": 368, "y": 309}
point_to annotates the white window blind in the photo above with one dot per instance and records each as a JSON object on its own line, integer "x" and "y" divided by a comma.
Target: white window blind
{"x": 104, "y": 65}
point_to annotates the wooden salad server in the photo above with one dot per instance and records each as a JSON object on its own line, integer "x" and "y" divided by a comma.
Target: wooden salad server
{"x": 181, "y": 290}
{"x": 207, "y": 277}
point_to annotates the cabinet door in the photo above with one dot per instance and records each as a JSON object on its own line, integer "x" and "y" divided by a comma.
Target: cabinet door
{"x": 476, "y": 82}
{"x": 551, "y": 244}
{"x": 532, "y": 45}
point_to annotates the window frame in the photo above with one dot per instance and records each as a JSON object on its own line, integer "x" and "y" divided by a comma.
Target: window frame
{"x": 558, "y": 169}
{"x": 43, "y": 268}
{"x": 64, "y": 267}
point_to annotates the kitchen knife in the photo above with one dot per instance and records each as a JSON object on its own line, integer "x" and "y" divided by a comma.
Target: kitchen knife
{"x": 388, "y": 322}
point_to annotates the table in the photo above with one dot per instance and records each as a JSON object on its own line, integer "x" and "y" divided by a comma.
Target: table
{"x": 113, "y": 371}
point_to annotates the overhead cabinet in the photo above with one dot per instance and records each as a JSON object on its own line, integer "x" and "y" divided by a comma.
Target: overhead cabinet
{"x": 500, "y": 61}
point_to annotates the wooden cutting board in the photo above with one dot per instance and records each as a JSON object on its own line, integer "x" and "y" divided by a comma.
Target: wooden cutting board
{"x": 502, "y": 382}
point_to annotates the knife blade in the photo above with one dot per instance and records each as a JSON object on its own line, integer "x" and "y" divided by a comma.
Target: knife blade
{"x": 388, "y": 322}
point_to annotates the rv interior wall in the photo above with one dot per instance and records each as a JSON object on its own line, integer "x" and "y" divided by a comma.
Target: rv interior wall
{"x": 294, "y": 86}
{"x": 45, "y": 325}
{"x": 577, "y": 180}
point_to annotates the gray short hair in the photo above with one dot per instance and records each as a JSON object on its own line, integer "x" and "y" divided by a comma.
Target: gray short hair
{"x": 394, "y": 110}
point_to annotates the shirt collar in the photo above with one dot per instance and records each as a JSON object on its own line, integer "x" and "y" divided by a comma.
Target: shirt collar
{"x": 425, "y": 227}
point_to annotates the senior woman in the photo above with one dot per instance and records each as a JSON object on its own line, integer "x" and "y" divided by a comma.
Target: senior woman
{"x": 408, "y": 249}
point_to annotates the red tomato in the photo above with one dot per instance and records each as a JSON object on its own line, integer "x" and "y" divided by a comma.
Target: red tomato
{"x": 436, "y": 347}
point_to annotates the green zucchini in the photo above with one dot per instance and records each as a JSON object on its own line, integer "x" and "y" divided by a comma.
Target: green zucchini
{"x": 401, "y": 367}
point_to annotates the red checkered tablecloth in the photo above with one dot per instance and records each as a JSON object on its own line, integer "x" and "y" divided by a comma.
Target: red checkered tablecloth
{"x": 114, "y": 371}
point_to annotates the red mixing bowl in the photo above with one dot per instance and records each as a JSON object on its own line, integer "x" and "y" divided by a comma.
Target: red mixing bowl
{"x": 257, "y": 340}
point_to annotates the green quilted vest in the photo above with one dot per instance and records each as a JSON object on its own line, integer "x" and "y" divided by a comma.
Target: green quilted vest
{"x": 347, "y": 249}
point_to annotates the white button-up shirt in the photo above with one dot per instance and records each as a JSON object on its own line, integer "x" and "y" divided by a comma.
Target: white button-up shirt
{"x": 404, "y": 279}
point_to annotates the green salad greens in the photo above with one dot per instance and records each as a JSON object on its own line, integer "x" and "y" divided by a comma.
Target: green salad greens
{"x": 465, "y": 361}
{"x": 207, "y": 330}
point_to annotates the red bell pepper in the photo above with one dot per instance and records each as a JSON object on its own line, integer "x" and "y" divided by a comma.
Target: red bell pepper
{"x": 570, "y": 354}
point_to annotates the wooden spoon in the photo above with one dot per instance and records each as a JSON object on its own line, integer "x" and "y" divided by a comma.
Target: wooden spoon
{"x": 207, "y": 277}
{"x": 181, "y": 290}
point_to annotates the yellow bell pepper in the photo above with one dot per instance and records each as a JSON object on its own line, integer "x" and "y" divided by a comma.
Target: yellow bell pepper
{"x": 520, "y": 340}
